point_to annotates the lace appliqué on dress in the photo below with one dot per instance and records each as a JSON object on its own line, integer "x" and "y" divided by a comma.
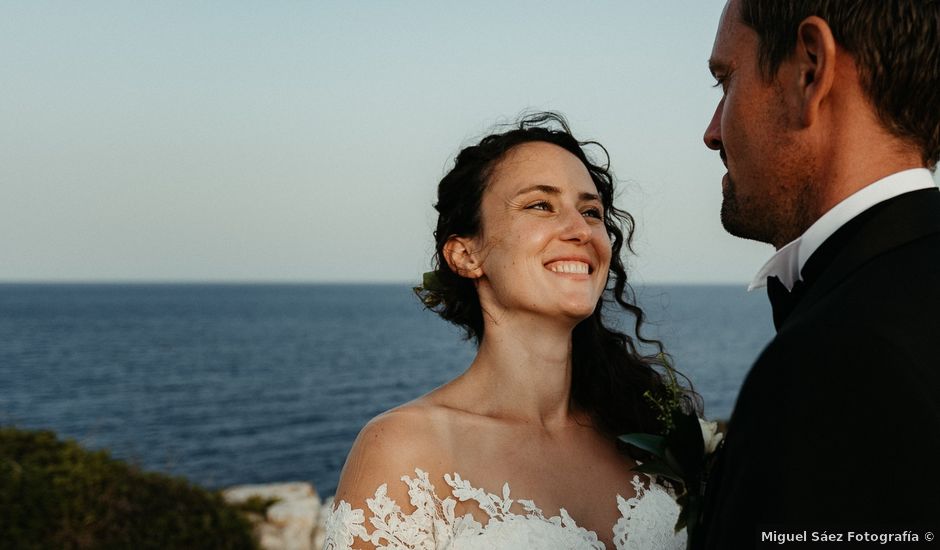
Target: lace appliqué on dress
{"x": 648, "y": 519}
{"x": 434, "y": 525}
{"x": 343, "y": 525}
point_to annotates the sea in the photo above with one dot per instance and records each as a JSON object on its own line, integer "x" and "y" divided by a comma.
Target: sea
{"x": 228, "y": 384}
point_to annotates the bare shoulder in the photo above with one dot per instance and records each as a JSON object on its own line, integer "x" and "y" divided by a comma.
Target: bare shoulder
{"x": 390, "y": 446}
{"x": 403, "y": 434}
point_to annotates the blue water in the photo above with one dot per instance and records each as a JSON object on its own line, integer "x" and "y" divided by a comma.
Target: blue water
{"x": 229, "y": 384}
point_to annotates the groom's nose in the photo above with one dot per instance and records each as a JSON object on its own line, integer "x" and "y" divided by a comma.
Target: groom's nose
{"x": 713, "y": 131}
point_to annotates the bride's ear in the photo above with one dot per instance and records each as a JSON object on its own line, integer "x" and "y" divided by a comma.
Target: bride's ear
{"x": 461, "y": 256}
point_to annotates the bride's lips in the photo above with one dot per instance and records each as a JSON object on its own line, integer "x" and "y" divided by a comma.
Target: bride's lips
{"x": 578, "y": 268}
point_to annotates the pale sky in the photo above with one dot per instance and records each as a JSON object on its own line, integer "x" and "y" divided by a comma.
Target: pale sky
{"x": 303, "y": 141}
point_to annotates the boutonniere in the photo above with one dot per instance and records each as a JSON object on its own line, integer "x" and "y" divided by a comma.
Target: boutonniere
{"x": 684, "y": 453}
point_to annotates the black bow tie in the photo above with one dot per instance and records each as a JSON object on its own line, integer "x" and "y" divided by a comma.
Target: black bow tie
{"x": 782, "y": 300}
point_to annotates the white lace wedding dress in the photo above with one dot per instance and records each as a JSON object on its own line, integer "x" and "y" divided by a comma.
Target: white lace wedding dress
{"x": 646, "y": 521}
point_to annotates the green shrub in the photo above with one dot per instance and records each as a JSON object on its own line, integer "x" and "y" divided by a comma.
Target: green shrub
{"x": 55, "y": 494}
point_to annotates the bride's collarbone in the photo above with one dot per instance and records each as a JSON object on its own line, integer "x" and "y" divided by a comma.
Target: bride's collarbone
{"x": 584, "y": 484}
{"x": 575, "y": 468}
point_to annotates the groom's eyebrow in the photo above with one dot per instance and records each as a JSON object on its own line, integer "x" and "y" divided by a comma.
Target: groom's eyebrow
{"x": 552, "y": 190}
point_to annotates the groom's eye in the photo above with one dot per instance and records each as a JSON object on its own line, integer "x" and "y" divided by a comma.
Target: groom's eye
{"x": 720, "y": 82}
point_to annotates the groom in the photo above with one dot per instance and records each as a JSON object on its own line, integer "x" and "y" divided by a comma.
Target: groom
{"x": 828, "y": 124}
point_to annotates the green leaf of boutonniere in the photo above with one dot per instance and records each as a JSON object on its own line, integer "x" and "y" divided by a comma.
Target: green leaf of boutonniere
{"x": 653, "y": 444}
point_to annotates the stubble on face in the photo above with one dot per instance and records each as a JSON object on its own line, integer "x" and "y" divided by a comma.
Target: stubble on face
{"x": 777, "y": 217}
{"x": 778, "y": 228}
{"x": 769, "y": 193}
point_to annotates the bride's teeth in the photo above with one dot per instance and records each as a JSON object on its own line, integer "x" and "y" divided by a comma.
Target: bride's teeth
{"x": 570, "y": 267}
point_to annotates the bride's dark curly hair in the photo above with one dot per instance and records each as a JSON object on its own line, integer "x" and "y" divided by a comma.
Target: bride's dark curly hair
{"x": 610, "y": 377}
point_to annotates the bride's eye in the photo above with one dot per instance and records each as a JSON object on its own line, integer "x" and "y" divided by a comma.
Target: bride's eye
{"x": 540, "y": 205}
{"x": 593, "y": 213}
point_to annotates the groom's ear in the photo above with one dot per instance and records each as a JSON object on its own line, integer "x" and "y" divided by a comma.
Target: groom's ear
{"x": 461, "y": 256}
{"x": 815, "y": 64}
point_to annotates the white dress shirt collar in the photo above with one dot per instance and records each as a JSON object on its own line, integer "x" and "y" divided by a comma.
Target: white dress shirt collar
{"x": 787, "y": 263}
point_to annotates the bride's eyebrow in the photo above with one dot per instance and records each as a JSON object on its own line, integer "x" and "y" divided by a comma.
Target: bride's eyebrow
{"x": 590, "y": 197}
{"x": 552, "y": 190}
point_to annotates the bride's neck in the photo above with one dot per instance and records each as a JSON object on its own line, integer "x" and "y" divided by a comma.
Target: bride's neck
{"x": 525, "y": 373}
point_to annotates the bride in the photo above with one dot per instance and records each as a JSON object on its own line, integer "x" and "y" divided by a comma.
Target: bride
{"x": 520, "y": 450}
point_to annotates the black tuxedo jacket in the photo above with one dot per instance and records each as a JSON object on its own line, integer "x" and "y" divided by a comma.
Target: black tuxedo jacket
{"x": 838, "y": 422}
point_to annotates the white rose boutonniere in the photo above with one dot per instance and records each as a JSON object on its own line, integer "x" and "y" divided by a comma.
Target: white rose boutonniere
{"x": 710, "y": 435}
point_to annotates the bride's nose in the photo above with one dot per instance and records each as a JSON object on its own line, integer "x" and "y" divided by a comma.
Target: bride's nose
{"x": 575, "y": 227}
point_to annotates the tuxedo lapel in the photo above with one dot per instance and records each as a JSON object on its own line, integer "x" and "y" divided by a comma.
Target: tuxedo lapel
{"x": 876, "y": 231}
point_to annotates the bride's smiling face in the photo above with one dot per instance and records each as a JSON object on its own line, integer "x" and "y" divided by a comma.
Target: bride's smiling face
{"x": 543, "y": 246}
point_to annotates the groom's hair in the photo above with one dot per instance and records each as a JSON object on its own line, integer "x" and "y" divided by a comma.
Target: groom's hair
{"x": 895, "y": 45}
